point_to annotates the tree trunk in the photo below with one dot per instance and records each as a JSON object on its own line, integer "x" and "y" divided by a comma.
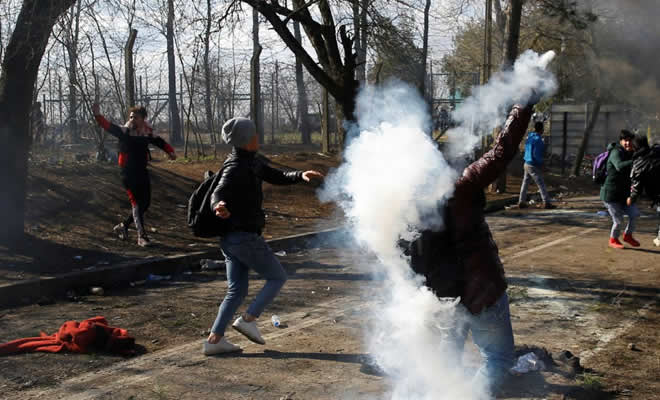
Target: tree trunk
{"x": 175, "y": 123}
{"x": 207, "y": 75}
{"x": 421, "y": 79}
{"x": 510, "y": 54}
{"x": 72, "y": 48}
{"x": 593, "y": 118}
{"x": 129, "y": 83}
{"x": 19, "y": 73}
{"x": 255, "y": 79}
{"x": 303, "y": 105}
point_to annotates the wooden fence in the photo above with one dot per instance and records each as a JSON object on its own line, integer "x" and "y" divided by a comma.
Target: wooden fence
{"x": 568, "y": 122}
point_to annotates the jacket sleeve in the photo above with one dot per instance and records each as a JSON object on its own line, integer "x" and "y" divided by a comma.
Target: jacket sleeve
{"x": 109, "y": 127}
{"x": 617, "y": 163}
{"x": 485, "y": 170}
{"x": 226, "y": 186}
{"x": 161, "y": 144}
{"x": 276, "y": 176}
{"x": 636, "y": 175}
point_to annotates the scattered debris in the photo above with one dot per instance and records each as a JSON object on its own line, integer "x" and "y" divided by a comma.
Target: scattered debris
{"x": 154, "y": 230}
{"x": 91, "y": 268}
{"x": 281, "y": 253}
{"x": 526, "y": 363}
{"x": 187, "y": 272}
{"x": 77, "y": 257}
{"x": 208, "y": 264}
{"x": 633, "y": 347}
{"x": 137, "y": 283}
{"x": 45, "y": 301}
{"x": 155, "y": 341}
{"x": 96, "y": 290}
{"x": 602, "y": 213}
{"x": 154, "y": 277}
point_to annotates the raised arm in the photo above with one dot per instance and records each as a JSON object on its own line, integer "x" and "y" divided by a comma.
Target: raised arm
{"x": 481, "y": 173}
{"x": 111, "y": 128}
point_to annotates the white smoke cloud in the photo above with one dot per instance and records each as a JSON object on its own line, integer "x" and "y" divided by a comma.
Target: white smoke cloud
{"x": 488, "y": 106}
{"x": 391, "y": 186}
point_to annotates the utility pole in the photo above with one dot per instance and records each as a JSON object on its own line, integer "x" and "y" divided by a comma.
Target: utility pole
{"x": 488, "y": 52}
{"x": 488, "y": 49}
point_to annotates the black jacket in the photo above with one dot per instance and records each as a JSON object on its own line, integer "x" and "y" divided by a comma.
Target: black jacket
{"x": 240, "y": 188}
{"x": 645, "y": 174}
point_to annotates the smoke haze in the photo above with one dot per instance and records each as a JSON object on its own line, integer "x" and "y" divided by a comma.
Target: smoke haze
{"x": 393, "y": 184}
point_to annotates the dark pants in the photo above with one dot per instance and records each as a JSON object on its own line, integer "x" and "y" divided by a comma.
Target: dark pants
{"x": 138, "y": 188}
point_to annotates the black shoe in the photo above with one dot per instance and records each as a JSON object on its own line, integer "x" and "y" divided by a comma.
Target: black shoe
{"x": 522, "y": 205}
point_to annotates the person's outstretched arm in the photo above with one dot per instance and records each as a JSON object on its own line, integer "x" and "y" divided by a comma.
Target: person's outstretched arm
{"x": 114, "y": 130}
{"x": 163, "y": 145}
{"x": 278, "y": 177}
{"x": 481, "y": 173}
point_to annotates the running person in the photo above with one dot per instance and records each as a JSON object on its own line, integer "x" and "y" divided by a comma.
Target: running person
{"x": 134, "y": 140}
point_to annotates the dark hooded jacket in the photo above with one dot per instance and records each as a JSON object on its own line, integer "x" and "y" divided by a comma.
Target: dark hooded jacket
{"x": 240, "y": 188}
{"x": 463, "y": 260}
{"x": 645, "y": 174}
{"x": 616, "y": 187}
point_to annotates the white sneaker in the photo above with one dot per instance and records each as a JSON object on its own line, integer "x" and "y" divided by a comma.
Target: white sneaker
{"x": 656, "y": 242}
{"x": 249, "y": 329}
{"x": 223, "y": 346}
{"x": 143, "y": 242}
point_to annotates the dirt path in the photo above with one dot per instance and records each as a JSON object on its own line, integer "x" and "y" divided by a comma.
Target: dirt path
{"x": 568, "y": 291}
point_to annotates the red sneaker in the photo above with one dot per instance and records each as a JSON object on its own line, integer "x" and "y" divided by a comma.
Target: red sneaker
{"x": 614, "y": 243}
{"x": 630, "y": 240}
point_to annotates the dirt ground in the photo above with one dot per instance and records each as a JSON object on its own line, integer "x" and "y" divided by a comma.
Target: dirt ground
{"x": 72, "y": 207}
{"x": 568, "y": 292}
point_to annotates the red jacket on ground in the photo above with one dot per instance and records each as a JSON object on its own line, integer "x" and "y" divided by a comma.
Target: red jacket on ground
{"x": 76, "y": 337}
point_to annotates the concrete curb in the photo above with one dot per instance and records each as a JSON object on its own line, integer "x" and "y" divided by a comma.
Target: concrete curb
{"x": 46, "y": 288}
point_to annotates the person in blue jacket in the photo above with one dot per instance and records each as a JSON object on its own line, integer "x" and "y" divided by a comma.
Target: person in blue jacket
{"x": 534, "y": 149}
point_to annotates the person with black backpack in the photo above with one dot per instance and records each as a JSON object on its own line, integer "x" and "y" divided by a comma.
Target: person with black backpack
{"x": 616, "y": 190}
{"x": 237, "y": 198}
{"x": 645, "y": 176}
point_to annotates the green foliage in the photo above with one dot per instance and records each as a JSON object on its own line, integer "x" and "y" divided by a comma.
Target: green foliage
{"x": 588, "y": 381}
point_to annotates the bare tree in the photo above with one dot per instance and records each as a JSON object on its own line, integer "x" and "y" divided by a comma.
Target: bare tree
{"x": 512, "y": 37}
{"x": 256, "y": 105}
{"x": 20, "y": 67}
{"x": 336, "y": 73}
{"x": 175, "y": 122}
{"x": 303, "y": 104}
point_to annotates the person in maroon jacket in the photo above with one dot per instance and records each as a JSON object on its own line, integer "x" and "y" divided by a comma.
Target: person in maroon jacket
{"x": 461, "y": 260}
{"x": 134, "y": 140}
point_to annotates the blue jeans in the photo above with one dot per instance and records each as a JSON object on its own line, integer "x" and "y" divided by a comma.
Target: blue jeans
{"x": 493, "y": 335}
{"x": 244, "y": 250}
{"x": 617, "y": 210}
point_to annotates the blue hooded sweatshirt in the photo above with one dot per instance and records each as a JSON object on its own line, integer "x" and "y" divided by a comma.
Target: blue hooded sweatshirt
{"x": 534, "y": 149}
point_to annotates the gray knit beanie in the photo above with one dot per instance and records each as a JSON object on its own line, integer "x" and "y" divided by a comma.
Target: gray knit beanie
{"x": 238, "y": 131}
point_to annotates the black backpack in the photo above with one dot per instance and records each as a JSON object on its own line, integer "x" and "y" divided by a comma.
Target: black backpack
{"x": 201, "y": 218}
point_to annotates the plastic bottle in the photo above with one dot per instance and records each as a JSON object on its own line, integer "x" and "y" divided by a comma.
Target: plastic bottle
{"x": 276, "y": 321}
